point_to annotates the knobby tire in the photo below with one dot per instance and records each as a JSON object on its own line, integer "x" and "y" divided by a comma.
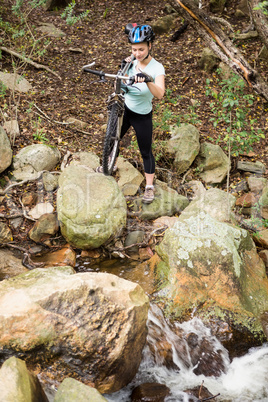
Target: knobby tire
{"x": 111, "y": 141}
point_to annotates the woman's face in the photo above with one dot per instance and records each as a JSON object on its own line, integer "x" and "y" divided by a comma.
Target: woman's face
{"x": 140, "y": 50}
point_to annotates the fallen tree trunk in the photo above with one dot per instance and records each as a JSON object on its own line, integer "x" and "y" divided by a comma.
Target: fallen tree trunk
{"x": 221, "y": 45}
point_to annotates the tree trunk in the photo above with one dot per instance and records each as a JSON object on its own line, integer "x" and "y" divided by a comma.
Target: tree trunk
{"x": 221, "y": 45}
{"x": 259, "y": 20}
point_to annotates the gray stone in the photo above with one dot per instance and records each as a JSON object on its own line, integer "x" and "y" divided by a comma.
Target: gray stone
{"x": 256, "y": 184}
{"x": 5, "y": 233}
{"x": 137, "y": 236}
{"x": 130, "y": 178}
{"x": 5, "y": 151}
{"x": 15, "y": 82}
{"x": 18, "y": 384}
{"x": 10, "y": 265}
{"x": 184, "y": 145}
{"x": 215, "y": 202}
{"x": 12, "y": 129}
{"x": 46, "y": 227}
{"x": 212, "y": 163}
{"x": 88, "y": 159}
{"x": 253, "y": 167}
{"x": 50, "y": 181}
{"x": 91, "y": 207}
{"x": 263, "y": 202}
{"x": 86, "y": 324}
{"x": 164, "y": 24}
{"x": 33, "y": 159}
{"x": 72, "y": 390}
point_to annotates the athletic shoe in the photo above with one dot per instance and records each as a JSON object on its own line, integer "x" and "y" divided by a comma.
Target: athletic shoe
{"x": 148, "y": 195}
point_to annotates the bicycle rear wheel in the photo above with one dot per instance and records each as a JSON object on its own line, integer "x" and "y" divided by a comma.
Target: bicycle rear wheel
{"x": 112, "y": 139}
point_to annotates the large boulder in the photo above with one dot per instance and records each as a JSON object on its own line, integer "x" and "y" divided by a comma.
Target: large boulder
{"x": 5, "y": 151}
{"x": 212, "y": 163}
{"x": 33, "y": 159}
{"x": 184, "y": 146}
{"x": 87, "y": 325}
{"x": 211, "y": 269}
{"x": 91, "y": 207}
{"x": 18, "y": 384}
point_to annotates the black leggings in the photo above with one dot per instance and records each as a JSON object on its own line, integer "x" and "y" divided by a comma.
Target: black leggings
{"x": 143, "y": 126}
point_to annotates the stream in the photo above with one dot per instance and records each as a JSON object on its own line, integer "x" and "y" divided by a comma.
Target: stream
{"x": 244, "y": 379}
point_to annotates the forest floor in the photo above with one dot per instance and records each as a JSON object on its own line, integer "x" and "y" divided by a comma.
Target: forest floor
{"x": 100, "y": 37}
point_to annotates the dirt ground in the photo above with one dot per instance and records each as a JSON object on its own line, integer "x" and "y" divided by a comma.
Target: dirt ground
{"x": 100, "y": 38}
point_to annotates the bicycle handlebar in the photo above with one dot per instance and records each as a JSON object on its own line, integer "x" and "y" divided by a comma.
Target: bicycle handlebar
{"x": 101, "y": 74}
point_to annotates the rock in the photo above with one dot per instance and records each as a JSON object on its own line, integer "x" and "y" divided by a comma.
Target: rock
{"x": 184, "y": 145}
{"x": 256, "y": 184}
{"x": 91, "y": 207}
{"x": 50, "y": 181}
{"x": 264, "y": 256}
{"x": 43, "y": 208}
{"x": 242, "y": 9}
{"x": 264, "y": 321}
{"x": 50, "y": 30}
{"x": 212, "y": 163}
{"x": 263, "y": 203}
{"x": 165, "y": 221}
{"x": 12, "y": 129}
{"x": 130, "y": 178}
{"x": 15, "y": 82}
{"x": 263, "y": 55}
{"x": 215, "y": 202}
{"x": 246, "y": 200}
{"x": 199, "y": 392}
{"x": 55, "y": 4}
{"x": 164, "y": 24}
{"x": 145, "y": 253}
{"x": 72, "y": 390}
{"x": 213, "y": 269}
{"x": 5, "y": 151}
{"x": 261, "y": 238}
{"x": 208, "y": 60}
{"x": 10, "y": 265}
{"x": 150, "y": 392}
{"x": 137, "y": 236}
{"x": 253, "y": 167}
{"x": 217, "y": 6}
{"x": 5, "y": 233}
{"x": 88, "y": 159}
{"x": 63, "y": 257}
{"x": 166, "y": 202}
{"x": 18, "y": 384}
{"x": 46, "y": 227}
{"x": 33, "y": 159}
{"x": 88, "y": 325}
{"x": 29, "y": 199}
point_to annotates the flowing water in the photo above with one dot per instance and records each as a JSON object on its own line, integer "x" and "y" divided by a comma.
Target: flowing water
{"x": 244, "y": 379}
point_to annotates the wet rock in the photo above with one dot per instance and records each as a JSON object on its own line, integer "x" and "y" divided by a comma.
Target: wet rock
{"x": 46, "y": 227}
{"x": 199, "y": 394}
{"x": 199, "y": 252}
{"x": 5, "y": 151}
{"x": 71, "y": 390}
{"x": 54, "y": 310}
{"x": 150, "y": 392}
{"x": 91, "y": 207}
{"x": 18, "y": 384}
{"x": 206, "y": 360}
{"x": 184, "y": 146}
{"x": 63, "y": 257}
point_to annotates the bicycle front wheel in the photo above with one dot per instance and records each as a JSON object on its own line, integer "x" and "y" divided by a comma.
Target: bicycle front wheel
{"x": 112, "y": 139}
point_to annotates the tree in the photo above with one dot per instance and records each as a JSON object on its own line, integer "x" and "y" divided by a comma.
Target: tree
{"x": 219, "y": 42}
{"x": 258, "y": 16}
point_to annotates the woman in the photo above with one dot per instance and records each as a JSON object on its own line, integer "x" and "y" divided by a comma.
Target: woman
{"x": 138, "y": 99}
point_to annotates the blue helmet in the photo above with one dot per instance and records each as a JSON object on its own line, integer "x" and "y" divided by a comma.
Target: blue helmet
{"x": 141, "y": 33}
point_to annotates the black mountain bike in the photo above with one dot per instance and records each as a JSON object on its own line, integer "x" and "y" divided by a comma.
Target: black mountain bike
{"x": 115, "y": 113}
